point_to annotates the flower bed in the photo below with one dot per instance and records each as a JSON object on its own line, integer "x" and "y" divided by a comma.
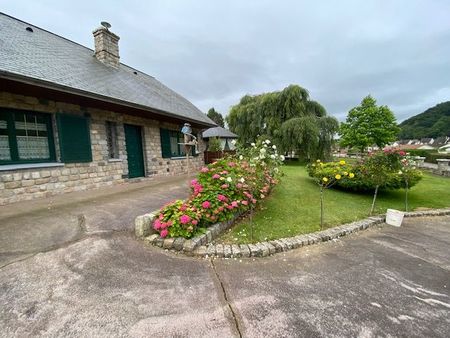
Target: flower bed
{"x": 222, "y": 189}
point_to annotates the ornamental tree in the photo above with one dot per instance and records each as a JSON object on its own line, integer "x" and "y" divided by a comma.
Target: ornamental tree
{"x": 328, "y": 174}
{"x": 368, "y": 124}
{"x": 289, "y": 118}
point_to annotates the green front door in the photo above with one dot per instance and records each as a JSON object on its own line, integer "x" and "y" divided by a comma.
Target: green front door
{"x": 133, "y": 139}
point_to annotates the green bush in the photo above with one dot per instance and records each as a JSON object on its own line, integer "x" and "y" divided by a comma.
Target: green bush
{"x": 214, "y": 144}
{"x": 432, "y": 157}
{"x": 397, "y": 169}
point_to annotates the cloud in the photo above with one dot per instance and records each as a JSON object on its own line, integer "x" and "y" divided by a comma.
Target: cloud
{"x": 215, "y": 52}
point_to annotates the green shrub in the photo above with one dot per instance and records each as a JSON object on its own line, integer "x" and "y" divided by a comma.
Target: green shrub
{"x": 214, "y": 144}
{"x": 397, "y": 168}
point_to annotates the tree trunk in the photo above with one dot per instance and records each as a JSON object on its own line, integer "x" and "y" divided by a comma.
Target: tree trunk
{"x": 406, "y": 196}
{"x": 373, "y": 201}
{"x": 321, "y": 208}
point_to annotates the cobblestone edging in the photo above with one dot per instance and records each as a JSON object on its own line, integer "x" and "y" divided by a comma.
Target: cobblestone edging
{"x": 202, "y": 246}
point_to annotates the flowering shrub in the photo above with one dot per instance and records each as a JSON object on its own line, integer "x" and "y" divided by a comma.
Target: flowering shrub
{"x": 328, "y": 174}
{"x": 386, "y": 169}
{"x": 228, "y": 186}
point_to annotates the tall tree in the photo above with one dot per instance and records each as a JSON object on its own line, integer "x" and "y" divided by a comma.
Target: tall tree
{"x": 216, "y": 117}
{"x": 289, "y": 117}
{"x": 368, "y": 124}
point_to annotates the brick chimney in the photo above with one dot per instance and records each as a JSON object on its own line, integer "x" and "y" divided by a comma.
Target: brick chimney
{"x": 106, "y": 45}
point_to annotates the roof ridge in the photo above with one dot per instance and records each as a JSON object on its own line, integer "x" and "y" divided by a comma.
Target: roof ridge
{"x": 71, "y": 41}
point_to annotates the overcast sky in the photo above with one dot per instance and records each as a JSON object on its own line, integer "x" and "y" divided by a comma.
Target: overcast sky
{"x": 214, "y": 52}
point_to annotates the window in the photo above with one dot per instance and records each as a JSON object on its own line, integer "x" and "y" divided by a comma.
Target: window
{"x": 170, "y": 144}
{"x": 177, "y": 149}
{"x": 25, "y": 137}
{"x": 111, "y": 140}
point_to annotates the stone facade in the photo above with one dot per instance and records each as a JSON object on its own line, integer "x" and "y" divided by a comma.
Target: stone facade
{"x": 32, "y": 182}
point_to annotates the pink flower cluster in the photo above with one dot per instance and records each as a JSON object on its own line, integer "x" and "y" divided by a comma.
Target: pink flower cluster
{"x": 197, "y": 187}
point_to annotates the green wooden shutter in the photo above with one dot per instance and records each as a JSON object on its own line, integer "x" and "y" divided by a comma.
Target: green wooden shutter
{"x": 74, "y": 138}
{"x": 165, "y": 143}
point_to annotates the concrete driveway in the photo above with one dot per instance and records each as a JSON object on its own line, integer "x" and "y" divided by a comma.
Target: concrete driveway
{"x": 45, "y": 224}
{"x": 381, "y": 282}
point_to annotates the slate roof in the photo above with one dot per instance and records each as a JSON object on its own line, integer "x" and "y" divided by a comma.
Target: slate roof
{"x": 218, "y": 132}
{"x": 47, "y": 59}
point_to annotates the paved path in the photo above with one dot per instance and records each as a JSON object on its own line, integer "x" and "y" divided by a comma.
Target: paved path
{"x": 380, "y": 282}
{"x": 35, "y": 226}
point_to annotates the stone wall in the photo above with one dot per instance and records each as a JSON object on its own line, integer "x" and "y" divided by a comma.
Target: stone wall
{"x": 29, "y": 183}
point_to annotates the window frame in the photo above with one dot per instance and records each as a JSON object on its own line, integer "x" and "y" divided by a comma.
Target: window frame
{"x": 12, "y": 136}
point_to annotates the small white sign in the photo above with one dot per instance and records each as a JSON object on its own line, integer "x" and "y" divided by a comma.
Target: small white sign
{"x": 394, "y": 217}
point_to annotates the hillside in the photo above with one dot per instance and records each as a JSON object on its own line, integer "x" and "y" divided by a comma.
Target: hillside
{"x": 433, "y": 122}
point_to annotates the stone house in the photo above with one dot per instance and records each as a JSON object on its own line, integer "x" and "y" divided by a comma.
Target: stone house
{"x": 73, "y": 118}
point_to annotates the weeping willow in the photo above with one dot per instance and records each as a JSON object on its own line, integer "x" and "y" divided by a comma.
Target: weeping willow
{"x": 293, "y": 121}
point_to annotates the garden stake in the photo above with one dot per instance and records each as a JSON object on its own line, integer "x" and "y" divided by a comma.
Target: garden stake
{"x": 321, "y": 208}
{"x": 373, "y": 201}
{"x": 251, "y": 222}
{"x": 406, "y": 195}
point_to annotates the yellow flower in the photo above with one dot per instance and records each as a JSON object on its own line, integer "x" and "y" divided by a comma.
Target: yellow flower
{"x": 345, "y": 173}
{"x": 338, "y": 177}
{"x": 351, "y": 175}
{"x": 325, "y": 179}
{"x": 318, "y": 161}
{"x": 341, "y": 162}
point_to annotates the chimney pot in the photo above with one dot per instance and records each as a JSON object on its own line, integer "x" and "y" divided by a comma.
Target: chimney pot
{"x": 106, "y": 46}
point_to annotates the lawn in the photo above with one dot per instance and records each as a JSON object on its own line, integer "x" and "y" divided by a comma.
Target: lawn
{"x": 293, "y": 207}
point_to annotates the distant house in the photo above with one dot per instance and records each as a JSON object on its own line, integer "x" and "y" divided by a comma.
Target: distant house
{"x": 224, "y": 135}
{"x": 73, "y": 118}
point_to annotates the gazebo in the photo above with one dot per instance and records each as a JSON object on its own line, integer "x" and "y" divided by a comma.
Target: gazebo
{"x": 224, "y": 135}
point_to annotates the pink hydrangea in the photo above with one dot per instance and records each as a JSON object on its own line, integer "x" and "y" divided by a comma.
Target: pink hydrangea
{"x": 216, "y": 176}
{"x": 253, "y": 201}
{"x": 204, "y": 170}
{"x": 164, "y": 233}
{"x": 222, "y": 198}
{"x": 220, "y": 208}
{"x": 239, "y": 185}
{"x": 194, "y": 221}
{"x": 206, "y": 204}
{"x": 231, "y": 164}
{"x": 183, "y": 207}
{"x": 234, "y": 204}
{"x": 185, "y": 219}
{"x": 244, "y": 202}
{"x": 224, "y": 186}
{"x": 157, "y": 224}
{"x": 194, "y": 182}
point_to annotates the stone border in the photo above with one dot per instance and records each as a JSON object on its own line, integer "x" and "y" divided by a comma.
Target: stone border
{"x": 202, "y": 246}
{"x": 144, "y": 230}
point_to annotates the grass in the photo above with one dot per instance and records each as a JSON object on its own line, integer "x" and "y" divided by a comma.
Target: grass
{"x": 293, "y": 208}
